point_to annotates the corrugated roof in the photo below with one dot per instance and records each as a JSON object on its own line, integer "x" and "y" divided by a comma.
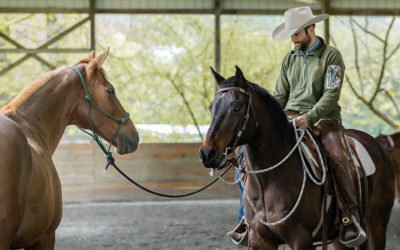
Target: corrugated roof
{"x": 372, "y": 7}
{"x": 38, "y": 4}
{"x": 154, "y": 4}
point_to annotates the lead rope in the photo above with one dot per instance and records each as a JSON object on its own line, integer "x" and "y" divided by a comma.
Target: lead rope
{"x": 269, "y": 224}
{"x": 170, "y": 195}
{"x": 322, "y": 161}
{"x": 108, "y": 155}
{"x": 305, "y": 173}
{"x": 296, "y": 146}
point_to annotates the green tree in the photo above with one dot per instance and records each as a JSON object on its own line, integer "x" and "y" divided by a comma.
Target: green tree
{"x": 371, "y": 71}
{"x": 159, "y": 64}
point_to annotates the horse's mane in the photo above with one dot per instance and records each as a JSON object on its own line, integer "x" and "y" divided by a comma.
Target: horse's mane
{"x": 32, "y": 87}
{"x": 39, "y": 82}
{"x": 274, "y": 108}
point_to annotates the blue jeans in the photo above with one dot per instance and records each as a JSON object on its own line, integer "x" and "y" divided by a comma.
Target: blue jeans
{"x": 237, "y": 174}
{"x": 240, "y": 213}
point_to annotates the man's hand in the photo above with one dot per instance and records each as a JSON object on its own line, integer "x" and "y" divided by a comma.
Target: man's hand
{"x": 301, "y": 121}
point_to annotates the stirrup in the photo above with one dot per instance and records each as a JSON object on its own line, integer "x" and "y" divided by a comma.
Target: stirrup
{"x": 238, "y": 236}
{"x": 360, "y": 239}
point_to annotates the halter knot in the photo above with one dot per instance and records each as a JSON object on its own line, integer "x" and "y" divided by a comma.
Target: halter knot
{"x": 124, "y": 119}
{"x": 110, "y": 158}
{"x": 88, "y": 97}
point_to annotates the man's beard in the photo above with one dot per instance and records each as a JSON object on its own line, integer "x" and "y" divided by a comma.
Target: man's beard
{"x": 304, "y": 44}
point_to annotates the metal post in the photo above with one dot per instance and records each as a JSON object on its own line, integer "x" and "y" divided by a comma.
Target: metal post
{"x": 217, "y": 49}
{"x": 92, "y": 25}
{"x": 325, "y": 9}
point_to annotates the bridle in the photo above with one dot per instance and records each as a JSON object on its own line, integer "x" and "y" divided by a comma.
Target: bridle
{"x": 229, "y": 149}
{"x": 390, "y": 140}
{"x": 306, "y": 172}
{"x": 89, "y": 103}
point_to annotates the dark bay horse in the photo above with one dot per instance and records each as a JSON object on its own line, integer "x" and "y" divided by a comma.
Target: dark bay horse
{"x": 268, "y": 137}
{"x": 391, "y": 143}
{"x": 31, "y": 127}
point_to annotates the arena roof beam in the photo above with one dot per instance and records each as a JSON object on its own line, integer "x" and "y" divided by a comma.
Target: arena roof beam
{"x": 45, "y": 50}
{"x": 41, "y": 49}
{"x": 19, "y": 46}
{"x": 14, "y": 64}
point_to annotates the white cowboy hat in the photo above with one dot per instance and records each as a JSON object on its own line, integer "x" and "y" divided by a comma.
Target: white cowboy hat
{"x": 296, "y": 19}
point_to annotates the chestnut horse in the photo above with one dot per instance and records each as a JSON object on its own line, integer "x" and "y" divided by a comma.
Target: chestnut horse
{"x": 31, "y": 127}
{"x": 391, "y": 143}
{"x": 242, "y": 113}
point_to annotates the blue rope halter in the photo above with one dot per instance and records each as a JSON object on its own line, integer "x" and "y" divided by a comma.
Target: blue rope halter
{"x": 89, "y": 102}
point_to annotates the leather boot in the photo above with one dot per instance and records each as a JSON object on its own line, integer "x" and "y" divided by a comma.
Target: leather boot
{"x": 339, "y": 159}
{"x": 352, "y": 234}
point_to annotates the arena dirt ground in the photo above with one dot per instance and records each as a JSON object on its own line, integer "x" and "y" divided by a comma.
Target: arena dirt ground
{"x": 191, "y": 224}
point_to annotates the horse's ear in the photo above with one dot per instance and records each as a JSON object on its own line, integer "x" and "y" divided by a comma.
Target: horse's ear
{"x": 239, "y": 76}
{"x": 91, "y": 54}
{"x": 98, "y": 61}
{"x": 101, "y": 58}
{"x": 218, "y": 78}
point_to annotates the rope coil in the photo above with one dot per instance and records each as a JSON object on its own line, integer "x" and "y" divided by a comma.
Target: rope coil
{"x": 305, "y": 174}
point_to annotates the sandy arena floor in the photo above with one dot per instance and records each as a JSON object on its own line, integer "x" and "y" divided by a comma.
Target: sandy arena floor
{"x": 194, "y": 224}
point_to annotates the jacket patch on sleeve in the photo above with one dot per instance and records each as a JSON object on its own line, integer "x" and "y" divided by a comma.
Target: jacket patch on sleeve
{"x": 333, "y": 76}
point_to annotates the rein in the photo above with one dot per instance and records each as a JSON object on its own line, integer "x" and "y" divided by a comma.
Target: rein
{"x": 305, "y": 174}
{"x": 306, "y": 171}
{"x": 110, "y": 159}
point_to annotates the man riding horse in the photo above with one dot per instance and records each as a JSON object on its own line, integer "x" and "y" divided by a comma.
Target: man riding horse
{"x": 308, "y": 88}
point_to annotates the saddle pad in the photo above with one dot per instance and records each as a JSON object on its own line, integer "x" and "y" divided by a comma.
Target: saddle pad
{"x": 358, "y": 152}
{"x": 363, "y": 156}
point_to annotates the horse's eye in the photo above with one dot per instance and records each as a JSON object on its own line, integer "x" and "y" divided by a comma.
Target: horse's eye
{"x": 110, "y": 91}
{"x": 236, "y": 108}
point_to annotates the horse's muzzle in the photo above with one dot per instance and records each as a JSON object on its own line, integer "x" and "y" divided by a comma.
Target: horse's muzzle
{"x": 210, "y": 157}
{"x": 127, "y": 144}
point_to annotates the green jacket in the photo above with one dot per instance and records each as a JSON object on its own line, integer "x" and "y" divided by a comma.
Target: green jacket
{"x": 311, "y": 84}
